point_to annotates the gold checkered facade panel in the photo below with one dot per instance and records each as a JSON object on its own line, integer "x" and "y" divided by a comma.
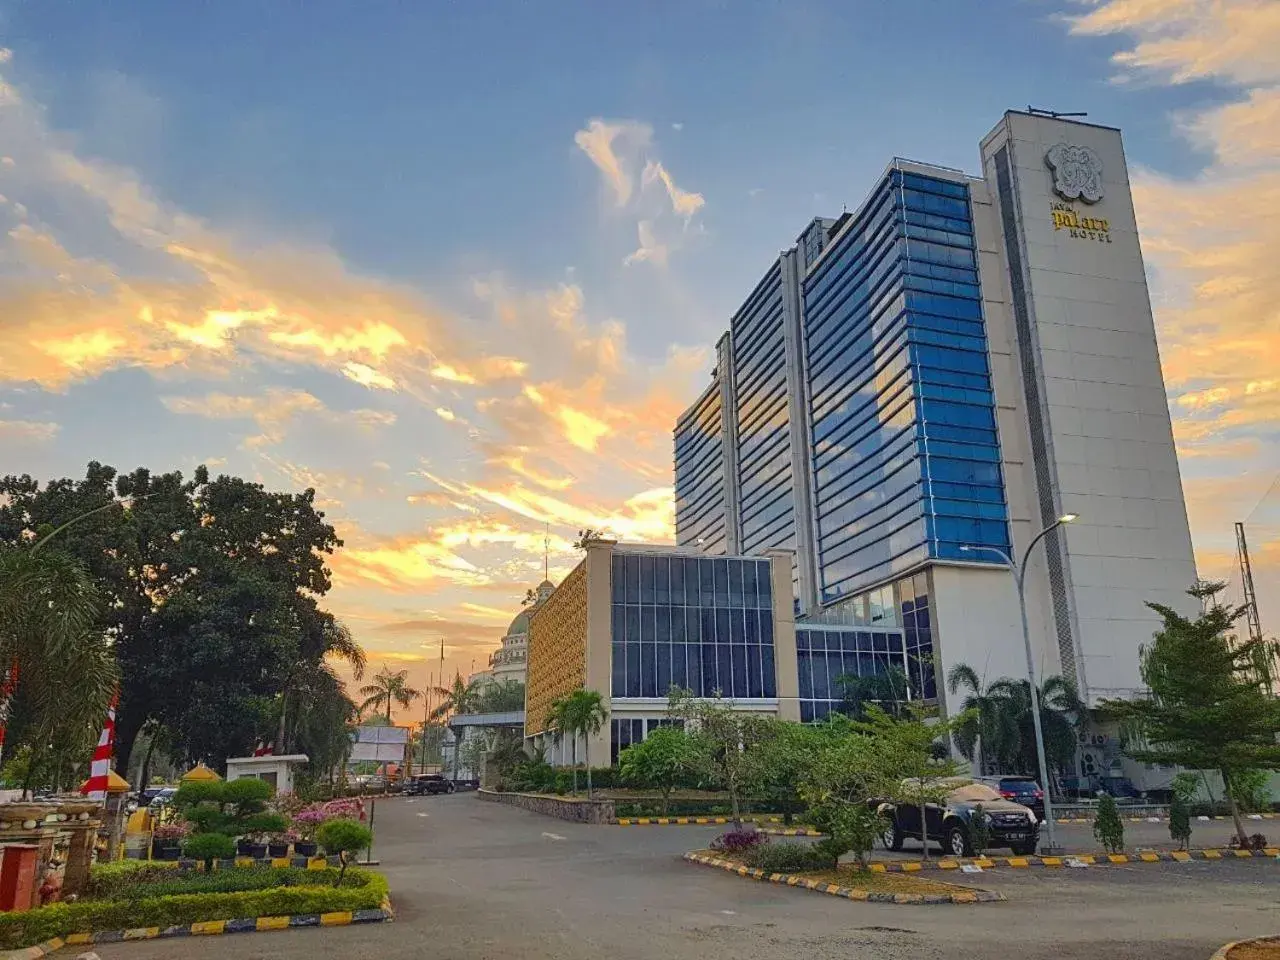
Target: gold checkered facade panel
{"x": 557, "y": 649}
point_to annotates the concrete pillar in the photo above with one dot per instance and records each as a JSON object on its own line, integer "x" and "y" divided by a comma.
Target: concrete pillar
{"x": 784, "y": 635}
{"x": 600, "y": 640}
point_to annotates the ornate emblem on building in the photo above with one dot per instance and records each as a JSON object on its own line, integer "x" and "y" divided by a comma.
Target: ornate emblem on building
{"x": 1077, "y": 172}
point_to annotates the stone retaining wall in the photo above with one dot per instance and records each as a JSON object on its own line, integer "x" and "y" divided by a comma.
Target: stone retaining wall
{"x": 563, "y": 808}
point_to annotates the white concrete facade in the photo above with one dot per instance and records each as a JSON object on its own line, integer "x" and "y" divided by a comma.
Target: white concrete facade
{"x": 1083, "y": 416}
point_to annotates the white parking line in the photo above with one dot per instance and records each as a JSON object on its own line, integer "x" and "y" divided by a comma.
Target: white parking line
{"x": 552, "y": 836}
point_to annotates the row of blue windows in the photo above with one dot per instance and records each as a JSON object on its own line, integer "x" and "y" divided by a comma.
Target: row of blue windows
{"x": 628, "y": 731}
{"x": 824, "y": 656}
{"x": 914, "y": 602}
{"x": 632, "y": 623}
{"x": 644, "y": 578}
{"x": 734, "y": 671}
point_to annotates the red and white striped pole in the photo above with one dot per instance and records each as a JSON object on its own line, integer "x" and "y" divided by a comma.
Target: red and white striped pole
{"x": 99, "y": 770}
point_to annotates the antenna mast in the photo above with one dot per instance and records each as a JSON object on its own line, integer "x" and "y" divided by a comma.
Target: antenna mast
{"x": 1267, "y": 659}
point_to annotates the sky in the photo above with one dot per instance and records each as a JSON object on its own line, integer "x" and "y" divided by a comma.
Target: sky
{"x": 459, "y": 266}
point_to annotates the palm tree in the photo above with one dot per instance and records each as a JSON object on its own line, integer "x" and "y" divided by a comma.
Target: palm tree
{"x": 66, "y": 672}
{"x": 324, "y": 637}
{"x": 1001, "y": 732}
{"x": 388, "y": 687}
{"x": 581, "y": 713}
{"x": 460, "y": 697}
{"x": 503, "y": 697}
{"x": 989, "y": 732}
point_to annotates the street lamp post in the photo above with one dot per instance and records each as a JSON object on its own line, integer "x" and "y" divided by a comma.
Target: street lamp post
{"x": 1019, "y": 571}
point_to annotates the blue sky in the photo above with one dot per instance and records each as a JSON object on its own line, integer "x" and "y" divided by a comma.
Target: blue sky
{"x": 479, "y": 328}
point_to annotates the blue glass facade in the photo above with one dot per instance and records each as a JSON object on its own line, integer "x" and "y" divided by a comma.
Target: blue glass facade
{"x": 700, "y": 480}
{"x": 824, "y": 654}
{"x": 906, "y": 461}
{"x": 766, "y": 498}
{"x": 702, "y": 623}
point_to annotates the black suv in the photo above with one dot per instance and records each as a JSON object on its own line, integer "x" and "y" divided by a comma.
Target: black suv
{"x": 1023, "y": 790}
{"x": 428, "y": 783}
{"x": 1009, "y": 824}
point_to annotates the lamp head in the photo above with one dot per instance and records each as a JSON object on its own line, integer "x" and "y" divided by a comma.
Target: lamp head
{"x": 1068, "y": 517}
{"x": 965, "y": 548}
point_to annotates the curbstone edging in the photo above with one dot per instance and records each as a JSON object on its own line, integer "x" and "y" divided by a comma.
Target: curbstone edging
{"x": 1091, "y": 859}
{"x": 685, "y": 821}
{"x": 342, "y": 918}
{"x": 848, "y": 893}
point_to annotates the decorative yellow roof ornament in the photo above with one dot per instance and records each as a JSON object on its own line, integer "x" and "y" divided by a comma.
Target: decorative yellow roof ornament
{"x": 199, "y": 774}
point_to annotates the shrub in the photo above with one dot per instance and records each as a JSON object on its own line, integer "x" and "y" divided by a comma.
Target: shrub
{"x": 786, "y": 857}
{"x": 342, "y": 836}
{"x": 1108, "y": 829}
{"x": 209, "y": 847}
{"x": 86, "y": 916}
{"x": 979, "y": 830}
{"x": 1180, "y": 820}
{"x": 172, "y": 882}
{"x": 231, "y": 807}
{"x": 737, "y": 842}
{"x": 1257, "y": 841}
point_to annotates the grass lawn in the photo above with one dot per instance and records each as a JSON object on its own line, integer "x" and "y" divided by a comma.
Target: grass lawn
{"x": 847, "y": 876}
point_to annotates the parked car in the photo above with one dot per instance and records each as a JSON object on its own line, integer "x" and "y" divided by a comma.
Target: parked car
{"x": 429, "y": 783}
{"x": 163, "y": 797}
{"x": 1009, "y": 824}
{"x": 1023, "y": 790}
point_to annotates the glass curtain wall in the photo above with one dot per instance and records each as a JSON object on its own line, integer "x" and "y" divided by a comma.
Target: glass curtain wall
{"x": 702, "y": 623}
{"x": 700, "y": 480}
{"x": 905, "y": 455}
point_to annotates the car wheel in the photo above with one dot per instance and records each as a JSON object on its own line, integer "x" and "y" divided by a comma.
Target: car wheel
{"x": 450, "y": 788}
{"x": 958, "y": 842}
{"x": 891, "y": 836}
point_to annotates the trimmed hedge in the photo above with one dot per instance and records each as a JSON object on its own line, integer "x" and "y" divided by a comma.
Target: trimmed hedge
{"x": 89, "y": 916}
{"x": 239, "y": 880}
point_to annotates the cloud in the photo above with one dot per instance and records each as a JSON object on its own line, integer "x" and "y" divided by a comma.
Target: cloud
{"x": 31, "y": 431}
{"x": 683, "y": 202}
{"x": 597, "y": 141}
{"x": 650, "y": 250}
{"x": 365, "y": 375}
{"x": 272, "y": 410}
{"x": 1210, "y": 241}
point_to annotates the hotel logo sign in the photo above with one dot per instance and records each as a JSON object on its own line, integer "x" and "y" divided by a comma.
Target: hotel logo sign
{"x": 1077, "y": 172}
{"x": 1066, "y": 217}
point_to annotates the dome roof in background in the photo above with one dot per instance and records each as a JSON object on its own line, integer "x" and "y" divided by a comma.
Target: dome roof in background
{"x": 520, "y": 624}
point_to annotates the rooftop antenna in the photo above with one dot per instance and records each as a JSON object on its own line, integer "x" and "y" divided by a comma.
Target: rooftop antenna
{"x": 1055, "y": 114}
{"x": 546, "y": 553}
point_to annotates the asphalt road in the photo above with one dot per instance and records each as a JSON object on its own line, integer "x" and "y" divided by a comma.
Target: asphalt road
{"x": 473, "y": 879}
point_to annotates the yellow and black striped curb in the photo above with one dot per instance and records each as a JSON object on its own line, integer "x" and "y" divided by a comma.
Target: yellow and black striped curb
{"x": 1102, "y": 859}
{"x": 848, "y": 893}
{"x": 339, "y": 918}
{"x": 792, "y": 832}
{"x": 231, "y": 863}
{"x": 1165, "y": 819}
{"x": 685, "y": 821}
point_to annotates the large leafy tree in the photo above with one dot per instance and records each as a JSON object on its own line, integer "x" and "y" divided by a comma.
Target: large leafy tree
{"x": 659, "y": 762}
{"x": 244, "y": 563}
{"x": 724, "y": 737}
{"x": 504, "y": 696}
{"x": 388, "y": 687}
{"x": 1208, "y": 706}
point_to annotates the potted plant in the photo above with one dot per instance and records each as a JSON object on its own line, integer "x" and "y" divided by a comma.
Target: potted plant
{"x": 252, "y": 845}
{"x": 305, "y": 822}
{"x": 278, "y": 844}
{"x": 166, "y": 839}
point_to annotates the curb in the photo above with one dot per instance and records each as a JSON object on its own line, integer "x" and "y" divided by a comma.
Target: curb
{"x": 848, "y": 893}
{"x": 1100, "y": 860}
{"x": 684, "y": 821}
{"x": 341, "y": 918}
{"x": 1226, "y": 948}
{"x": 1201, "y": 819}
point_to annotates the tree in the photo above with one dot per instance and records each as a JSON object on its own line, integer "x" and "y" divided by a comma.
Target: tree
{"x": 991, "y": 732}
{"x": 581, "y": 713}
{"x": 473, "y": 753}
{"x": 723, "y": 737}
{"x": 460, "y": 698}
{"x": 343, "y": 837}
{"x": 849, "y": 772}
{"x": 585, "y": 538}
{"x": 1180, "y": 821}
{"x": 1108, "y": 829}
{"x": 388, "y": 687}
{"x": 777, "y": 762}
{"x": 887, "y": 690}
{"x": 324, "y": 638}
{"x": 62, "y": 662}
{"x": 1000, "y": 730}
{"x": 197, "y": 540}
{"x": 225, "y": 809}
{"x": 659, "y": 762}
{"x": 505, "y": 696}
{"x": 1208, "y": 708}
{"x": 324, "y": 720}
{"x": 907, "y": 744}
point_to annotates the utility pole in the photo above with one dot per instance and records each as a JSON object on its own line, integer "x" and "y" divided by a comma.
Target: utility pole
{"x": 1267, "y": 665}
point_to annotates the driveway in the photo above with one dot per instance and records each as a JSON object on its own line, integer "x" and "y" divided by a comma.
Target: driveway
{"x": 473, "y": 879}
